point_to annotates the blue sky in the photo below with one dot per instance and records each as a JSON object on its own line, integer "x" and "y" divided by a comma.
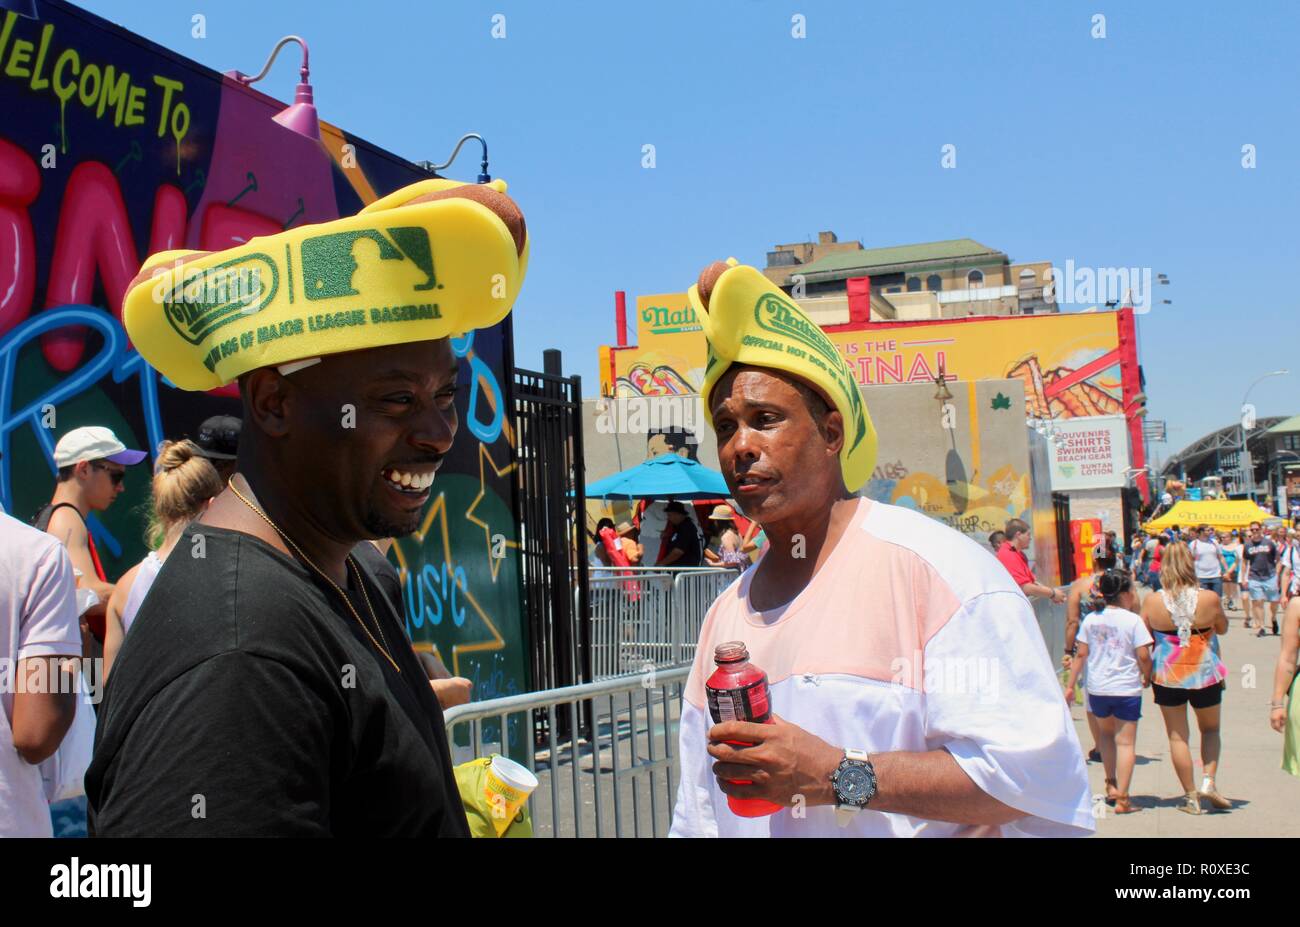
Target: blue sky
{"x": 1116, "y": 151}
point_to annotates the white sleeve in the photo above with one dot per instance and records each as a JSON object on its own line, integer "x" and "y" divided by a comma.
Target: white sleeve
{"x": 49, "y": 625}
{"x": 693, "y": 815}
{"x": 1006, "y": 723}
{"x": 1141, "y": 636}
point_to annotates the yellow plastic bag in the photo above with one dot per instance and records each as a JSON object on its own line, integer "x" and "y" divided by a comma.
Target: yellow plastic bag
{"x": 471, "y": 781}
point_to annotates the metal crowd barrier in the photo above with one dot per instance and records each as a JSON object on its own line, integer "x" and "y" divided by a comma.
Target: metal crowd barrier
{"x": 613, "y": 774}
{"x": 645, "y": 615}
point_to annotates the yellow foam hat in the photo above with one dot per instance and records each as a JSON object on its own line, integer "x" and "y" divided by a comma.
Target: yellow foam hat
{"x": 750, "y": 321}
{"x": 406, "y": 268}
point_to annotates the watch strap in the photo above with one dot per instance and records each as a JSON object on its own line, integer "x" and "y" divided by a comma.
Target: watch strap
{"x": 844, "y": 814}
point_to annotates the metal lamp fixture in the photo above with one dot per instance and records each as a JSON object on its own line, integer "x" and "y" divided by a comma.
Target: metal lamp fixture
{"x": 300, "y": 116}
{"x": 483, "y": 175}
{"x": 942, "y": 393}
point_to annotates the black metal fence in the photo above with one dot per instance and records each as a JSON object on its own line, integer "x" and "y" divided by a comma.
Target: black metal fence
{"x": 550, "y": 508}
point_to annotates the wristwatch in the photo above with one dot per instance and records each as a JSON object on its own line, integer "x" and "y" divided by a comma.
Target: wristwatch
{"x": 854, "y": 781}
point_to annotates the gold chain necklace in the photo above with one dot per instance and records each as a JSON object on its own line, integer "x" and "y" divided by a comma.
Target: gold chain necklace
{"x": 343, "y": 595}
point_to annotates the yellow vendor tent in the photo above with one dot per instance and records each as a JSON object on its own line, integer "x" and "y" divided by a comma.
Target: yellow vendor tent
{"x": 1217, "y": 513}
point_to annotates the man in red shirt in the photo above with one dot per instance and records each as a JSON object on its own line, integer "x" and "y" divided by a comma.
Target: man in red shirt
{"x": 1012, "y": 556}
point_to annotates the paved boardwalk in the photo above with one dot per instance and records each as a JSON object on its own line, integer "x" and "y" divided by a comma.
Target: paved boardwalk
{"x": 1266, "y": 800}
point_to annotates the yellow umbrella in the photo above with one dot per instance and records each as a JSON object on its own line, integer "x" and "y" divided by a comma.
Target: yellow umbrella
{"x": 1217, "y": 513}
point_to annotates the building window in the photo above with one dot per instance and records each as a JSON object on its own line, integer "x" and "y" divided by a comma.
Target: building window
{"x": 975, "y": 279}
{"x": 913, "y": 284}
{"x": 933, "y": 283}
{"x": 1290, "y": 442}
{"x": 894, "y": 289}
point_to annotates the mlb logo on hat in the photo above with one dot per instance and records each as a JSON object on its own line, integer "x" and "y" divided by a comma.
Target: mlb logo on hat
{"x": 93, "y": 443}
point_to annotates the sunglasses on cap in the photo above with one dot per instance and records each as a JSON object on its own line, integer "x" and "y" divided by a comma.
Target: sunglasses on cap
{"x": 117, "y": 476}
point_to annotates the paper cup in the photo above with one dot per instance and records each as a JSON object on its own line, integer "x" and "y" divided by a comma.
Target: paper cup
{"x": 506, "y": 786}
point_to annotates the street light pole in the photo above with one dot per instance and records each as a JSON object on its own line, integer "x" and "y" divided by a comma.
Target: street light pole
{"x": 1242, "y": 454}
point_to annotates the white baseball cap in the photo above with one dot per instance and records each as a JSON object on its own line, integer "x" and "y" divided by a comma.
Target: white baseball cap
{"x": 93, "y": 443}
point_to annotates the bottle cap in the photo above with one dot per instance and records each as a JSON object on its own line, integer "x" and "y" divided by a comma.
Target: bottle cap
{"x": 730, "y": 652}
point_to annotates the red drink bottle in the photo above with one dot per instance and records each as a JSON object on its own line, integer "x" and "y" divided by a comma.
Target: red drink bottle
{"x": 737, "y": 691}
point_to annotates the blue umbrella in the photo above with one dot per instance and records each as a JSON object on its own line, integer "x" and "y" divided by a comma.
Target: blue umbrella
{"x": 665, "y": 477}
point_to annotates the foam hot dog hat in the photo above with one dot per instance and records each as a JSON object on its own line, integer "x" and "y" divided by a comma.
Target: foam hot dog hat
{"x": 431, "y": 260}
{"x": 748, "y": 320}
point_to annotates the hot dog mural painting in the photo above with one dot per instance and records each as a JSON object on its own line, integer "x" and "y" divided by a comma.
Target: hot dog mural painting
{"x": 1072, "y": 365}
{"x": 113, "y": 148}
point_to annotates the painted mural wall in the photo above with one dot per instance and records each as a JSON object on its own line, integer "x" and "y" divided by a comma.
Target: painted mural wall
{"x": 1071, "y": 364}
{"x": 112, "y": 148}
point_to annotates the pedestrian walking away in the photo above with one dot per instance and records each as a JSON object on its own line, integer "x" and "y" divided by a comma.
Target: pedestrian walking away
{"x": 184, "y": 482}
{"x": 853, "y": 612}
{"x": 1185, "y": 622}
{"x": 1116, "y": 646}
{"x": 1083, "y": 592}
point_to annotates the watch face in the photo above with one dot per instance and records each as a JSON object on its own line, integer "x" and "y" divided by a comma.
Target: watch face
{"x": 856, "y": 785}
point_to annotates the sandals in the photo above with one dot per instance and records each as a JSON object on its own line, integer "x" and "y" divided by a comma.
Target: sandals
{"x": 1112, "y": 791}
{"x": 1218, "y": 801}
{"x": 1191, "y": 803}
{"x": 1122, "y": 804}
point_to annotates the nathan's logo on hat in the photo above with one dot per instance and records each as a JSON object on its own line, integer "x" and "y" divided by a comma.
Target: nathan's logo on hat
{"x": 783, "y": 320}
{"x": 775, "y": 315}
{"x": 204, "y": 300}
{"x": 329, "y": 262}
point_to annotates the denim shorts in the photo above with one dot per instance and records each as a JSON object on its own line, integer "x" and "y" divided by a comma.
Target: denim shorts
{"x": 1123, "y": 707}
{"x": 1264, "y": 590}
{"x": 1213, "y": 585}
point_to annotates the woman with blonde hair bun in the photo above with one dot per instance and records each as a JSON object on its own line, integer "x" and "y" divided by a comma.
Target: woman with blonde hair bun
{"x": 1186, "y": 622}
{"x": 184, "y": 482}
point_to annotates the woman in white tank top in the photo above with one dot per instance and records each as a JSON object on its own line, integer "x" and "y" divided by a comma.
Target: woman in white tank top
{"x": 184, "y": 482}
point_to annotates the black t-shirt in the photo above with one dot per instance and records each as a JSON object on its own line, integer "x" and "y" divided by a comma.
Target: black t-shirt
{"x": 685, "y": 538}
{"x": 384, "y": 573}
{"x": 1262, "y": 556}
{"x": 247, "y": 701}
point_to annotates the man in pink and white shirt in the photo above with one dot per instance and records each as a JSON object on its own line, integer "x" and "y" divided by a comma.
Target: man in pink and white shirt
{"x": 901, "y": 656}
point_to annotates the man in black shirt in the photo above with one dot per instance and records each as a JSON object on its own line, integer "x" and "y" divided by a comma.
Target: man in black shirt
{"x": 684, "y": 549}
{"x": 267, "y": 686}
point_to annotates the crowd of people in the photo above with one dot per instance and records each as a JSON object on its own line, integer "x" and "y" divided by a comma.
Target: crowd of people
{"x": 725, "y": 538}
{"x": 1119, "y": 642}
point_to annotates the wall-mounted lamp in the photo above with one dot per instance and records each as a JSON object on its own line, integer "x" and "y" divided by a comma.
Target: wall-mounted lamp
{"x": 300, "y": 116}
{"x": 483, "y": 175}
{"x": 942, "y": 393}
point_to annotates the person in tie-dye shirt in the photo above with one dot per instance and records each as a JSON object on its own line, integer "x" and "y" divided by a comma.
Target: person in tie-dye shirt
{"x": 1186, "y": 621}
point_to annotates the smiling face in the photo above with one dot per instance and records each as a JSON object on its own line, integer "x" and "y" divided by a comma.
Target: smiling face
{"x": 779, "y": 465}
{"x": 368, "y": 434}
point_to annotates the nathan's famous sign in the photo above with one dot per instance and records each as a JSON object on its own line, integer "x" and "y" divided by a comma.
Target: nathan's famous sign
{"x": 1072, "y": 364}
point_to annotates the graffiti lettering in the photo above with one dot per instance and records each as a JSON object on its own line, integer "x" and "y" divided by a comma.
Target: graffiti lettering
{"x": 433, "y": 592}
{"x": 98, "y": 88}
{"x": 890, "y": 471}
{"x": 112, "y": 359}
{"x": 482, "y": 385}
